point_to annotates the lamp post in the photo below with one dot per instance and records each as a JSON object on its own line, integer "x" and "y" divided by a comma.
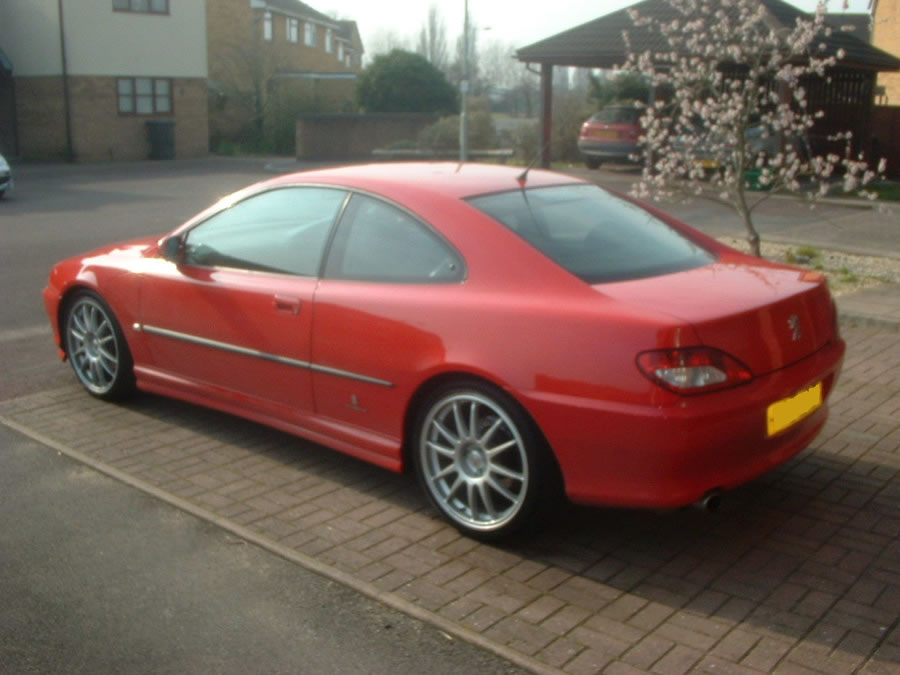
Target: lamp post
{"x": 464, "y": 91}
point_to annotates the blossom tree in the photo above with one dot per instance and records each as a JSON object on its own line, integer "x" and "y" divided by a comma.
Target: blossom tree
{"x": 736, "y": 126}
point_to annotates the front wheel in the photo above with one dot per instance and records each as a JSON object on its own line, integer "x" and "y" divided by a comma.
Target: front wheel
{"x": 96, "y": 347}
{"x": 480, "y": 460}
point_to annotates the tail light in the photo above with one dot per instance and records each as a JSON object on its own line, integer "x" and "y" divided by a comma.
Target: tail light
{"x": 693, "y": 370}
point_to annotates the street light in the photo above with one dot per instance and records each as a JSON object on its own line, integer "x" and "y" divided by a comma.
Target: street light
{"x": 464, "y": 90}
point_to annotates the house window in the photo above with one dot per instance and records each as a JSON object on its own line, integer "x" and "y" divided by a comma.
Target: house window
{"x": 143, "y": 6}
{"x": 144, "y": 95}
{"x": 293, "y": 30}
{"x": 267, "y": 26}
{"x": 340, "y": 54}
{"x": 347, "y": 61}
{"x": 329, "y": 40}
{"x": 309, "y": 34}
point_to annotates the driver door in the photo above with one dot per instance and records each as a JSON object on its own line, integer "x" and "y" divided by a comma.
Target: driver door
{"x": 232, "y": 319}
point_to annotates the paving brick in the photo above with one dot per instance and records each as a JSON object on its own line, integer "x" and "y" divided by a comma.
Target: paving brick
{"x": 460, "y": 608}
{"x": 651, "y": 616}
{"x": 678, "y": 660}
{"x": 427, "y": 595}
{"x": 563, "y": 621}
{"x": 468, "y": 581}
{"x": 648, "y": 651}
{"x": 588, "y": 662}
{"x": 559, "y": 652}
{"x": 506, "y": 594}
{"x": 540, "y": 609}
{"x": 520, "y": 635}
{"x": 483, "y": 618}
{"x": 715, "y": 664}
{"x": 585, "y": 593}
{"x": 766, "y": 654}
{"x": 735, "y": 645}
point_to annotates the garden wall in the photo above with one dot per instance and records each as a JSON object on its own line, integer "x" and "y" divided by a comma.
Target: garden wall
{"x": 355, "y": 136}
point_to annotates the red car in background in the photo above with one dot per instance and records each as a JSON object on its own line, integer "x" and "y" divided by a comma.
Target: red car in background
{"x": 502, "y": 333}
{"x": 611, "y": 135}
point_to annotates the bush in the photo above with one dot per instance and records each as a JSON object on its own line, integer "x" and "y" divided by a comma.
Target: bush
{"x": 404, "y": 82}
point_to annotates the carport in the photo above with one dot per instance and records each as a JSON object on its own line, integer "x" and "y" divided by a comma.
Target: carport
{"x": 846, "y": 96}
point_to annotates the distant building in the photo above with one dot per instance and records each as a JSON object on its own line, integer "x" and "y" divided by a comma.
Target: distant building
{"x": 272, "y": 59}
{"x": 85, "y": 76}
{"x": 886, "y": 36}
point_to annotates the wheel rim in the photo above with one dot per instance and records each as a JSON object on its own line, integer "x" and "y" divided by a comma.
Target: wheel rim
{"x": 474, "y": 461}
{"x": 92, "y": 345}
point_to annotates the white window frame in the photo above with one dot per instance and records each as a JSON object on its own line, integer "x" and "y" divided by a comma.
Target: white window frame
{"x": 340, "y": 51}
{"x": 309, "y": 34}
{"x": 267, "y": 26}
{"x": 293, "y": 29}
{"x": 160, "y": 96}
{"x": 329, "y": 40}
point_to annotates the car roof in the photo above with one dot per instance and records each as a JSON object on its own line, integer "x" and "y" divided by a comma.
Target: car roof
{"x": 444, "y": 179}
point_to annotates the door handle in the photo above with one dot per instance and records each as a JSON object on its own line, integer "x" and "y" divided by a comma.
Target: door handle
{"x": 287, "y": 305}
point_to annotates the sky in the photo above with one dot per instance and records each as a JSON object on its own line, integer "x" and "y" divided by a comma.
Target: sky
{"x": 508, "y": 21}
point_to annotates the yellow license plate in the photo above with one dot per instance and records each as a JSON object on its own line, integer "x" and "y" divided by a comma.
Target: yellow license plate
{"x": 788, "y": 411}
{"x": 605, "y": 134}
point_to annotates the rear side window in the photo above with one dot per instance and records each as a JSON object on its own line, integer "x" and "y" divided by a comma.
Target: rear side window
{"x": 593, "y": 234}
{"x": 376, "y": 241}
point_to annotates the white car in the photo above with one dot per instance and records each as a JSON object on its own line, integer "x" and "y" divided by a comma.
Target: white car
{"x": 6, "y": 179}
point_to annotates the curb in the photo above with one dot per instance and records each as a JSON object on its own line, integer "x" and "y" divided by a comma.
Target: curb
{"x": 853, "y": 319}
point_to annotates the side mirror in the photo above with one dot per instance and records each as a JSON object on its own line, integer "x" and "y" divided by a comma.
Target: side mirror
{"x": 172, "y": 249}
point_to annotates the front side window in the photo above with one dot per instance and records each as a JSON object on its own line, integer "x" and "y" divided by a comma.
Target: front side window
{"x": 593, "y": 234}
{"x": 283, "y": 230}
{"x": 143, "y": 6}
{"x": 309, "y": 34}
{"x": 376, "y": 241}
{"x": 144, "y": 95}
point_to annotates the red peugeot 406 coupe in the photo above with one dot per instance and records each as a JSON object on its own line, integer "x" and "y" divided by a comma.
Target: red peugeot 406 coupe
{"x": 502, "y": 333}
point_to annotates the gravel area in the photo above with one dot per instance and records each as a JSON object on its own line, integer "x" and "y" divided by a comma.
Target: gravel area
{"x": 847, "y": 273}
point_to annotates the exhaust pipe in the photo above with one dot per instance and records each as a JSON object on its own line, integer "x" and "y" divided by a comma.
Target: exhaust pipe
{"x": 710, "y": 502}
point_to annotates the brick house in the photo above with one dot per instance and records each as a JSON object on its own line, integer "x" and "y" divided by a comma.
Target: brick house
{"x": 87, "y": 75}
{"x": 886, "y": 36}
{"x": 270, "y": 59}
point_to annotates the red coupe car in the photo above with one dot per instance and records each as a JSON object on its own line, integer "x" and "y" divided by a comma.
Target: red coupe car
{"x": 504, "y": 333}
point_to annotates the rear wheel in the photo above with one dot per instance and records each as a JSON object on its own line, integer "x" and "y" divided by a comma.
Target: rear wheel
{"x": 480, "y": 459}
{"x": 592, "y": 162}
{"x": 96, "y": 347}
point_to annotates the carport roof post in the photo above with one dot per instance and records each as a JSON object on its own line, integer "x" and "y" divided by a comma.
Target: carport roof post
{"x": 599, "y": 44}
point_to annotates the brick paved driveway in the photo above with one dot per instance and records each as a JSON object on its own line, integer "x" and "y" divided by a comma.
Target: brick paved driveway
{"x": 799, "y": 572}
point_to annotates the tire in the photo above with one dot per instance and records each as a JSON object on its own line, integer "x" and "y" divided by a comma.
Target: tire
{"x": 592, "y": 162}
{"x": 481, "y": 460}
{"x": 96, "y": 348}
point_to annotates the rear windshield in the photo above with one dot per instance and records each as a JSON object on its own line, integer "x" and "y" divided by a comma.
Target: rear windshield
{"x": 593, "y": 234}
{"x": 616, "y": 116}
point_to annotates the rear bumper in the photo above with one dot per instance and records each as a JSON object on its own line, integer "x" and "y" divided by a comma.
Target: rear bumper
{"x": 607, "y": 150}
{"x": 640, "y": 456}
